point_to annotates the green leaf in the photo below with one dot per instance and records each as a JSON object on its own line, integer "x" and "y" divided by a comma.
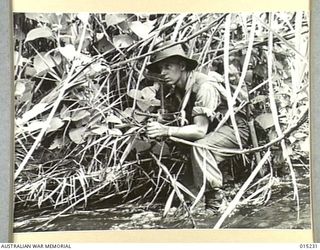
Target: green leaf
{"x": 140, "y": 145}
{"x": 113, "y": 119}
{"x": 112, "y": 19}
{"x": 168, "y": 203}
{"x": 77, "y": 135}
{"x": 55, "y": 124}
{"x": 143, "y": 105}
{"x": 142, "y": 29}
{"x": 99, "y": 130}
{"x": 300, "y": 135}
{"x": 127, "y": 112}
{"x": 305, "y": 145}
{"x": 30, "y": 71}
{"x": 43, "y": 32}
{"x": 19, "y": 88}
{"x": 148, "y": 93}
{"x": 57, "y": 143}
{"x": 83, "y": 17}
{"x": 122, "y": 41}
{"x": 161, "y": 148}
{"x": 115, "y": 131}
{"x": 44, "y": 62}
{"x": 265, "y": 120}
{"x": 131, "y": 130}
{"x": 45, "y": 18}
{"x": 79, "y": 115}
{"x": 104, "y": 45}
{"x": 68, "y": 51}
{"x": 133, "y": 93}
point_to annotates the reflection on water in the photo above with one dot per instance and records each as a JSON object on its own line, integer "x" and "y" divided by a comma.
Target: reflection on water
{"x": 280, "y": 212}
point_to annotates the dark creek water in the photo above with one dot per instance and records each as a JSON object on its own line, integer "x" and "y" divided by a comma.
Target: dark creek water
{"x": 280, "y": 212}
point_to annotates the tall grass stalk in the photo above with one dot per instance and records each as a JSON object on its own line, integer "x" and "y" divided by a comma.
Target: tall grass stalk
{"x": 274, "y": 111}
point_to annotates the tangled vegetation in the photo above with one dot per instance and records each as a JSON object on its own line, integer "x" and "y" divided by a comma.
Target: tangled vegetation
{"x": 82, "y": 102}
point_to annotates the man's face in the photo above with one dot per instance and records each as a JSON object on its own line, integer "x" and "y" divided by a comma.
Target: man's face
{"x": 172, "y": 69}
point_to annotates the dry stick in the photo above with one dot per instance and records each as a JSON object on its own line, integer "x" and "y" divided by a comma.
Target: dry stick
{"x": 238, "y": 196}
{"x": 65, "y": 84}
{"x": 204, "y": 52}
{"x": 219, "y": 150}
{"x": 177, "y": 28}
{"x": 299, "y": 67}
{"x": 246, "y": 61}
{"x": 226, "y": 79}
{"x": 274, "y": 112}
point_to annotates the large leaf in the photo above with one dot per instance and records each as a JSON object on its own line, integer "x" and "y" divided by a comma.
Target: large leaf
{"x": 161, "y": 148}
{"x": 122, "y": 41}
{"x": 104, "y": 45}
{"x": 99, "y": 130}
{"x": 265, "y": 120}
{"x": 68, "y": 51}
{"x": 113, "y": 119}
{"x": 19, "y": 88}
{"x": 57, "y": 143}
{"x": 55, "y": 124}
{"x": 77, "y": 135}
{"x": 44, "y": 62}
{"x": 133, "y": 93}
{"x": 143, "y": 105}
{"x": 41, "y": 17}
{"x": 115, "y": 131}
{"x": 305, "y": 145}
{"x": 43, "y": 32}
{"x": 142, "y": 29}
{"x": 140, "y": 145}
{"x": 83, "y": 17}
{"x": 112, "y": 19}
{"x": 127, "y": 112}
{"x": 148, "y": 93}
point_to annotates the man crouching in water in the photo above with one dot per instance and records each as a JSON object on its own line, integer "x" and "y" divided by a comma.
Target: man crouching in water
{"x": 204, "y": 105}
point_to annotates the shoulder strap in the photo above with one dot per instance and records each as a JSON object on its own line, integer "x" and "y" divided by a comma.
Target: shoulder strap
{"x": 186, "y": 98}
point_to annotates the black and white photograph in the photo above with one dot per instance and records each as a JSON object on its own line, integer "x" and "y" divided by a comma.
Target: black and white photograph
{"x": 161, "y": 121}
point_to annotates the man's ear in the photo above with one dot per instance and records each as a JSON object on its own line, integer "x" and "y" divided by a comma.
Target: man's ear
{"x": 183, "y": 65}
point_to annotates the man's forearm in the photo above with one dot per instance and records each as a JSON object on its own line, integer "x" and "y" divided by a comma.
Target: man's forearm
{"x": 189, "y": 132}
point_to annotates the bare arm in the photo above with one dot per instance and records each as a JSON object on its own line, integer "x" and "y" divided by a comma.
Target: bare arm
{"x": 194, "y": 131}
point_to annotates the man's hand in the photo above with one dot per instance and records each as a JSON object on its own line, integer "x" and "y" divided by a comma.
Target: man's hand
{"x": 156, "y": 129}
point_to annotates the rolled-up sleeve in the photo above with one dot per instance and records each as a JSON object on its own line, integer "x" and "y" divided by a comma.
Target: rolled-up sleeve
{"x": 207, "y": 100}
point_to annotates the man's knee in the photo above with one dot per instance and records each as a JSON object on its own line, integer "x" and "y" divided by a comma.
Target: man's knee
{"x": 200, "y": 151}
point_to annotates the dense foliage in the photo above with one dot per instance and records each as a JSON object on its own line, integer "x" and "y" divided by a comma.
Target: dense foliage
{"x": 82, "y": 100}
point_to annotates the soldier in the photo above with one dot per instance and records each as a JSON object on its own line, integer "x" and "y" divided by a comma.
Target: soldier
{"x": 204, "y": 106}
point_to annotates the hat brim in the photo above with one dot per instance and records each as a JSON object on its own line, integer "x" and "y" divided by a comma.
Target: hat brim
{"x": 190, "y": 63}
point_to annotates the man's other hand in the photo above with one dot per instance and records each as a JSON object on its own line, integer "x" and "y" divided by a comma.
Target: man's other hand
{"x": 156, "y": 129}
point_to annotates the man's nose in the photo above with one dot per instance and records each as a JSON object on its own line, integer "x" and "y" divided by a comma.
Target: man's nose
{"x": 162, "y": 72}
